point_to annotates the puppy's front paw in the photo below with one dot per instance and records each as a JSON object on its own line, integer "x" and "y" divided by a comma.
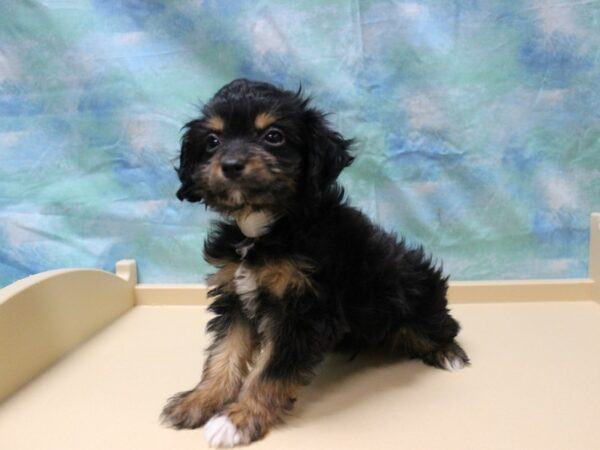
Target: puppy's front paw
{"x": 240, "y": 424}
{"x": 189, "y": 409}
{"x": 220, "y": 432}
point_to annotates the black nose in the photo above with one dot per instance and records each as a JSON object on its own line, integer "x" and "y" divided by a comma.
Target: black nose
{"x": 232, "y": 168}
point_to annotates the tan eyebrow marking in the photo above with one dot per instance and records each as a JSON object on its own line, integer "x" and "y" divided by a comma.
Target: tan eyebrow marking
{"x": 263, "y": 120}
{"x": 215, "y": 123}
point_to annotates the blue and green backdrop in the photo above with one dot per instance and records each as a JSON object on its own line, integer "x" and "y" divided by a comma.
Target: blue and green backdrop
{"x": 477, "y": 124}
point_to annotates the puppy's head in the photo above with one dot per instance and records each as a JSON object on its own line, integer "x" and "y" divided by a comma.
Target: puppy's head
{"x": 257, "y": 147}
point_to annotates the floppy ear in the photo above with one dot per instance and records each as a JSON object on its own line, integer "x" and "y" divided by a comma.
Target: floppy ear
{"x": 187, "y": 191}
{"x": 327, "y": 153}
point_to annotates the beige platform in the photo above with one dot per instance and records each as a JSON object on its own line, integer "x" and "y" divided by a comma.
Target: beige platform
{"x": 86, "y": 363}
{"x": 534, "y": 384}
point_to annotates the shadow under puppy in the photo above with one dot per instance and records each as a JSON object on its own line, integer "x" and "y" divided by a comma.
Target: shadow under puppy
{"x": 300, "y": 272}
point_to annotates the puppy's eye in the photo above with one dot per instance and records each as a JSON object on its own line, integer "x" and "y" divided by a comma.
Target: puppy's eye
{"x": 212, "y": 142}
{"x": 274, "y": 137}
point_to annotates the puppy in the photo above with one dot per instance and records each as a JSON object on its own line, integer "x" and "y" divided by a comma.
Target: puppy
{"x": 300, "y": 272}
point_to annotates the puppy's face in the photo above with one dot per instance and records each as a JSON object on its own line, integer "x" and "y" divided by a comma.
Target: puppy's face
{"x": 257, "y": 147}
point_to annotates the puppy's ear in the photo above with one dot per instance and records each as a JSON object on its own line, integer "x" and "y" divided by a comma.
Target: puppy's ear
{"x": 187, "y": 191}
{"x": 327, "y": 153}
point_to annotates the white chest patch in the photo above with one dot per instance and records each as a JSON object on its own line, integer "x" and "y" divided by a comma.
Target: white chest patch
{"x": 245, "y": 286}
{"x": 256, "y": 223}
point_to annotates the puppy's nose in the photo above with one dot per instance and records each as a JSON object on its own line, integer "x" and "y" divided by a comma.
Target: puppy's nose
{"x": 232, "y": 167}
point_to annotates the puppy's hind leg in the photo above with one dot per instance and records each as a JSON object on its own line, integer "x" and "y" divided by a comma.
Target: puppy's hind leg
{"x": 433, "y": 343}
{"x": 450, "y": 356}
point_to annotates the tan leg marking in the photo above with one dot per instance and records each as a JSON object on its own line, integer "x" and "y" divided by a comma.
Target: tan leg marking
{"x": 262, "y": 402}
{"x": 228, "y": 361}
{"x": 224, "y": 371}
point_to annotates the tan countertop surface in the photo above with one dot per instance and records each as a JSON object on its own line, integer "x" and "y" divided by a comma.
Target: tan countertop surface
{"x": 534, "y": 383}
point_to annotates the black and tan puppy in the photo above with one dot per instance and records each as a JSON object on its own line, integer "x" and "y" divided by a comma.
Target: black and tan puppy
{"x": 300, "y": 272}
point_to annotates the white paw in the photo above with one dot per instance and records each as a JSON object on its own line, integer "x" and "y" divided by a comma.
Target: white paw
{"x": 219, "y": 432}
{"x": 453, "y": 363}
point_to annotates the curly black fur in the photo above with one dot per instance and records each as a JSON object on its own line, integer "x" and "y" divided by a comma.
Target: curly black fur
{"x": 365, "y": 288}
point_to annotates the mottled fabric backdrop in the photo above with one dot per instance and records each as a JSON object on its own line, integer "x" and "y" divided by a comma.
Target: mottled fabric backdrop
{"x": 477, "y": 124}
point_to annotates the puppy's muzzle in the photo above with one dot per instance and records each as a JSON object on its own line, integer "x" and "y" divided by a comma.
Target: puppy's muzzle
{"x": 233, "y": 167}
